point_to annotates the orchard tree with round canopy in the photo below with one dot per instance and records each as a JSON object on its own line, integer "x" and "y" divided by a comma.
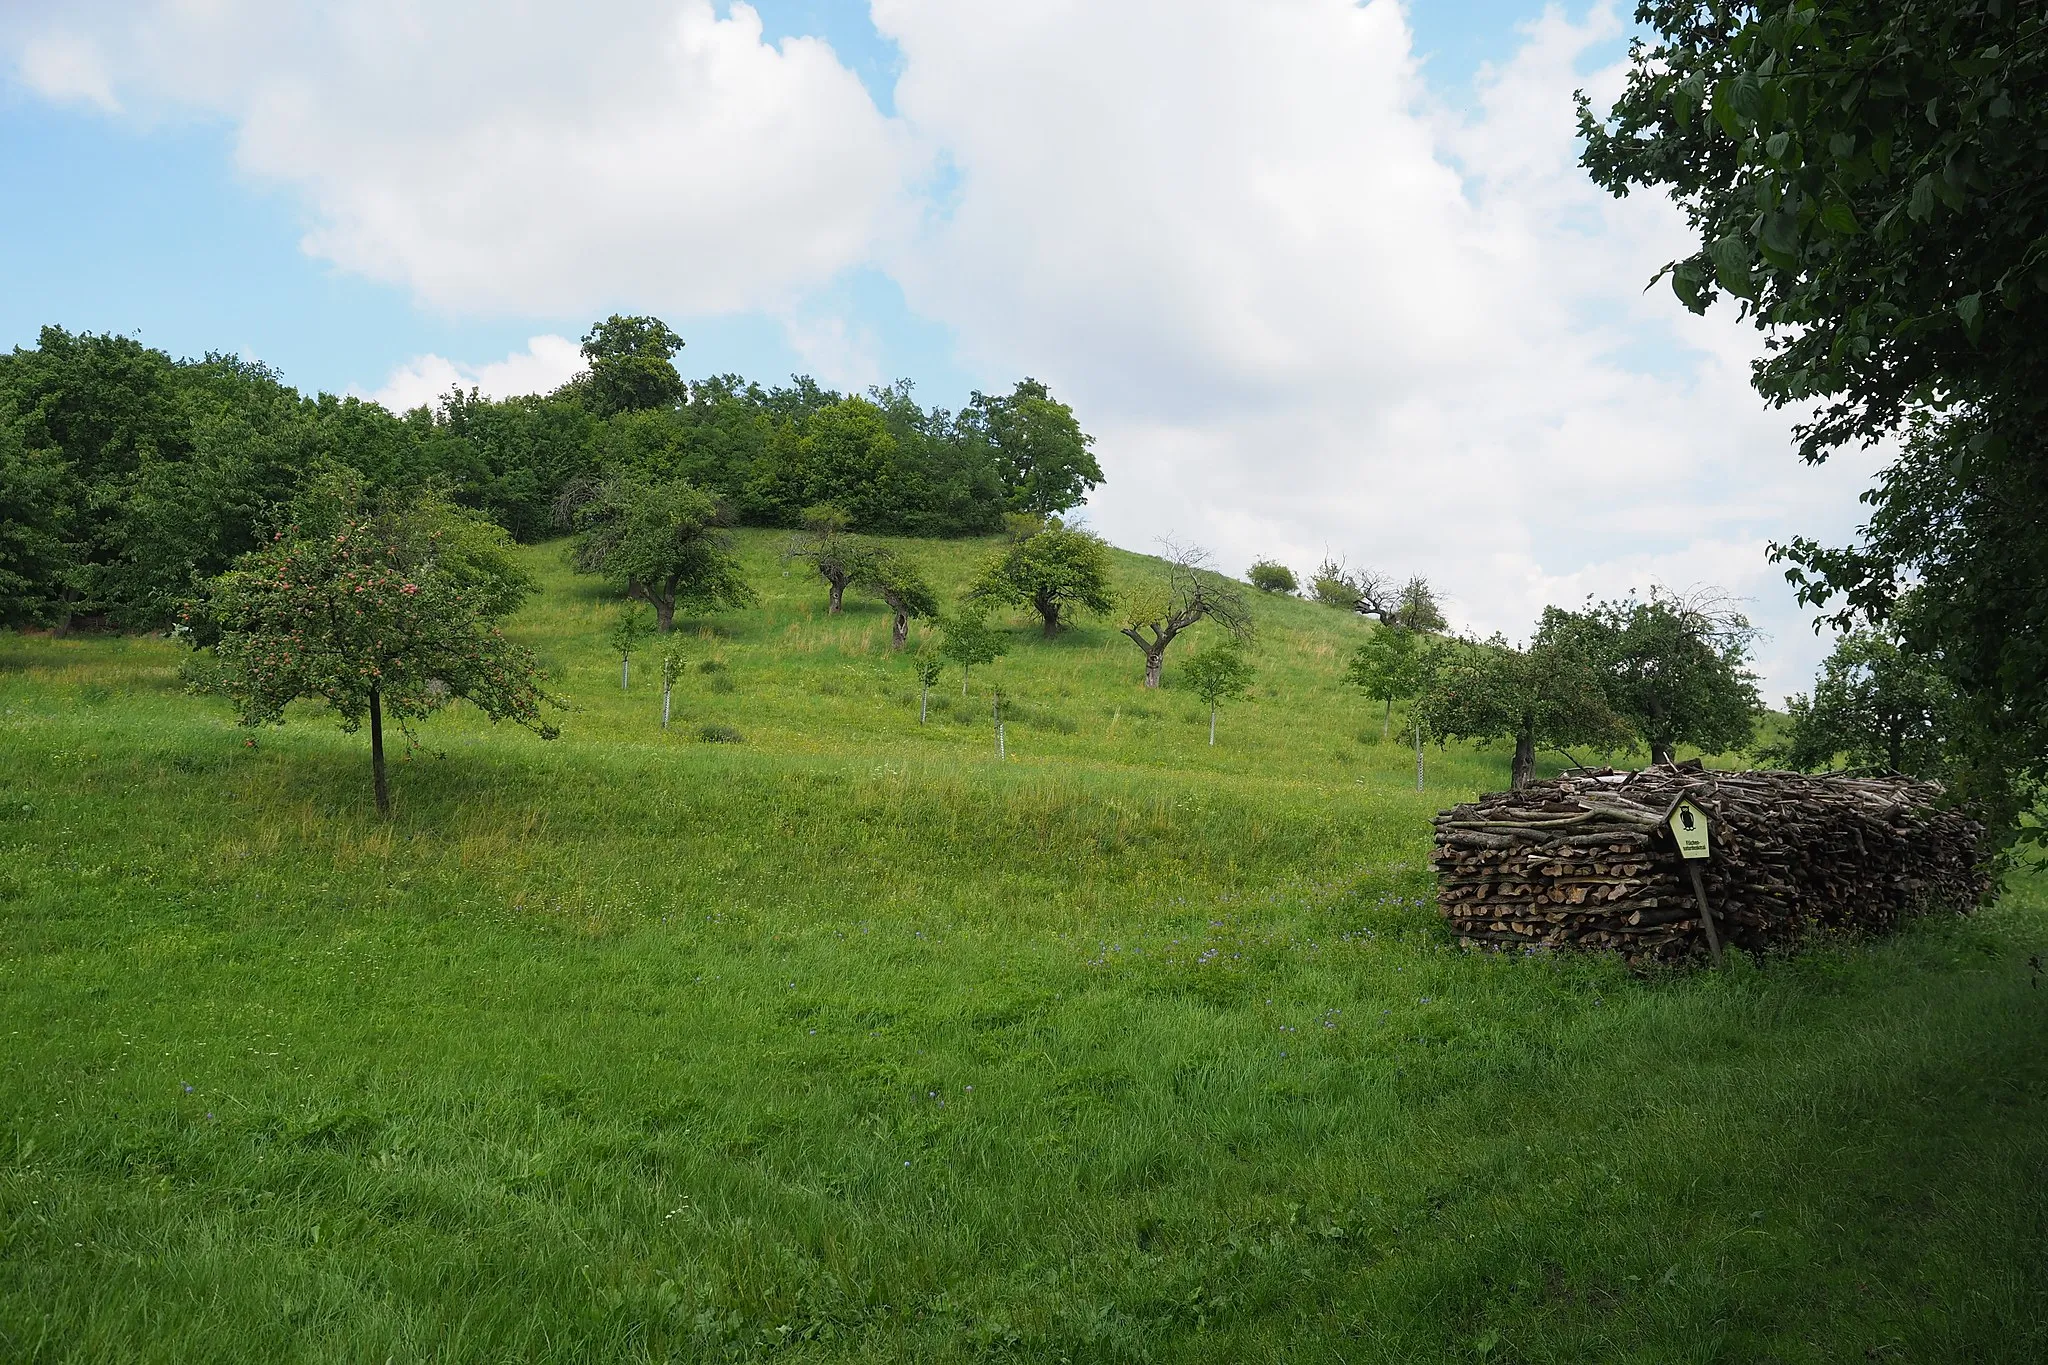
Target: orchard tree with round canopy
{"x": 1675, "y": 666}
{"x": 385, "y": 606}
{"x": 661, "y": 542}
{"x": 1550, "y": 695}
{"x": 1056, "y": 570}
{"x": 1875, "y": 704}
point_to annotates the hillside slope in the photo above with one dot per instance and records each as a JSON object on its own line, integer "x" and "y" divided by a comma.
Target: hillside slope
{"x": 849, "y": 1042}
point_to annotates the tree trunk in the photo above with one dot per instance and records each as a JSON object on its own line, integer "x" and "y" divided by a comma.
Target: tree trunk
{"x": 1155, "y": 661}
{"x": 1051, "y": 612}
{"x": 963, "y": 680}
{"x": 1660, "y": 751}
{"x": 377, "y": 754}
{"x": 665, "y": 614}
{"x": 836, "y": 590}
{"x": 998, "y": 713}
{"x": 924, "y": 701}
{"x": 1212, "y": 726}
{"x": 1418, "y": 755}
{"x": 665, "y": 685}
{"x": 899, "y": 630}
{"x": 625, "y": 671}
{"x": 1387, "y": 721}
{"x": 1524, "y": 770}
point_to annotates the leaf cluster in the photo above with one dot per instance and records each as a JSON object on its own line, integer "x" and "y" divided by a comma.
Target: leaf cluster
{"x": 395, "y": 595}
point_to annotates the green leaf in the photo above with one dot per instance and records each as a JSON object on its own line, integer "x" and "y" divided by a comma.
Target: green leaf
{"x": 1970, "y": 308}
{"x": 1840, "y": 218}
{"x": 1781, "y": 235}
{"x": 1920, "y": 207}
{"x": 1731, "y": 259}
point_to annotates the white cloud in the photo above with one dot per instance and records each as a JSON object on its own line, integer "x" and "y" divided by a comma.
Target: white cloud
{"x": 546, "y": 364}
{"x": 526, "y": 157}
{"x": 1304, "y": 306}
{"x": 63, "y": 67}
{"x": 1302, "y": 302}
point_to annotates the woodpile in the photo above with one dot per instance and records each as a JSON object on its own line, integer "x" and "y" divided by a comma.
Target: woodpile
{"x": 1588, "y": 861}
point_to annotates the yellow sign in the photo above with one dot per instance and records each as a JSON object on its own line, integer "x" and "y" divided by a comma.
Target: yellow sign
{"x": 1689, "y": 827}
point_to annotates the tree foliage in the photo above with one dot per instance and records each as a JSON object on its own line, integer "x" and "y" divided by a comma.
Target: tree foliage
{"x": 126, "y": 476}
{"x": 1875, "y": 705}
{"x": 374, "y": 605}
{"x": 1867, "y": 181}
{"x": 632, "y": 365}
{"x": 1152, "y": 615}
{"x": 825, "y": 545}
{"x": 1056, "y": 571}
{"x": 898, "y": 580}
{"x": 1675, "y": 666}
{"x": 1218, "y": 673}
{"x": 1269, "y": 575}
{"x": 1388, "y": 667}
{"x": 1046, "y": 462}
{"x": 969, "y": 641}
{"x": 1550, "y": 695}
{"x": 1410, "y": 605}
{"x": 658, "y": 542}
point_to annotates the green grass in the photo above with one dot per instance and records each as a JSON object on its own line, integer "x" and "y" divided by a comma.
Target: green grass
{"x": 848, "y": 1042}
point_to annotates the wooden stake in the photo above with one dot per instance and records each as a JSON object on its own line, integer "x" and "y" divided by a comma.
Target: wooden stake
{"x": 1699, "y": 890}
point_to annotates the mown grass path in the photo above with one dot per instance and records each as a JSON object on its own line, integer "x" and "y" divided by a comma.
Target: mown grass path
{"x": 848, "y": 1042}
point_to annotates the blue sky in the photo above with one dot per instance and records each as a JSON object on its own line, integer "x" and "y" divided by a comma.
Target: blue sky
{"x": 147, "y": 227}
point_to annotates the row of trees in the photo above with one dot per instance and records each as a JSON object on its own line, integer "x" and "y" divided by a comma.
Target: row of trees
{"x": 1661, "y": 671}
{"x": 128, "y": 478}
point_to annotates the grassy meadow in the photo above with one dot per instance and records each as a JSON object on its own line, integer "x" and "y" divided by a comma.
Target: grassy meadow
{"x": 839, "y": 1039}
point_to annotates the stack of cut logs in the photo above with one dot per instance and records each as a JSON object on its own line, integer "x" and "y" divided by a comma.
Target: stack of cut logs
{"x": 1587, "y": 860}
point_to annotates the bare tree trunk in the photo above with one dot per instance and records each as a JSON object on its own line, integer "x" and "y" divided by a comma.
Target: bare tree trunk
{"x": 1524, "y": 770}
{"x": 1155, "y": 661}
{"x": 1660, "y": 752}
{"x": 1051, "y": 612}
{"x": 665, "y": 686}
{"x": 625, "y": 671}
{"x": 377, "y": 754}
{"x": 1418, "y": 755}
{"x": 836, "y": 590}
{"x": 1387, "y": 721}
{"x": 1212, "y": 726}
{"x": 924, "y": 701}
{"x": 998, "y": 712}
{"x": 665, "y": 614}
{"x": 899, "y": 630}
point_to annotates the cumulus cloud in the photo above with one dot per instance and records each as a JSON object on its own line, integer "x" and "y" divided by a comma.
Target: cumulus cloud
{"x": 1305, "y": 302}
{"x": 546, "y": 364}
{"x": 518, "y": 156}
{"x": 1307, "y": 308}
{"x": 65, "y": 67}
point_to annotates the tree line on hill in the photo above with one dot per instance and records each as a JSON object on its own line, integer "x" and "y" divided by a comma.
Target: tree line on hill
{"x": 388, "y": 604}
{"x": 127, "y": 477}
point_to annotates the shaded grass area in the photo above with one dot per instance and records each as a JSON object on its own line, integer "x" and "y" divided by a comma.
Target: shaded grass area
{"x": 848, "y": 1042}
